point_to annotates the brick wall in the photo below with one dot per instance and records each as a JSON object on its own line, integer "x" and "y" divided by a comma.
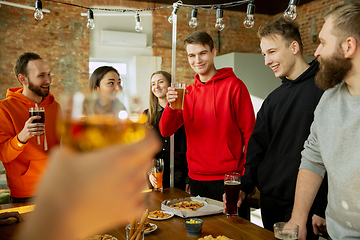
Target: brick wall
{"x": 62, "y": 38}
{"x": 310, "y": 19}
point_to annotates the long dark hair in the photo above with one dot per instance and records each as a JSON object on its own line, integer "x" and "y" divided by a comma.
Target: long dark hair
{"x": 99, "y": 74}
{"x": 153, "y": 113}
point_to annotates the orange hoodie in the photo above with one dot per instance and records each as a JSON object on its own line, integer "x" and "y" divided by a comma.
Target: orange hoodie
{"x": 25, "y": 163}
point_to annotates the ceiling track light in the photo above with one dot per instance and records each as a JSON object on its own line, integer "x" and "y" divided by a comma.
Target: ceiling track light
{"x": 249, "y": 19}
{"x": 219, "y": 25}
{"x": 90, "y": 15}
{"x": 290, "y": 13}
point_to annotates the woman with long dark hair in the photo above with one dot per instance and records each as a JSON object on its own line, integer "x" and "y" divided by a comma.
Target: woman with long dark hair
{"x": 107, "y": 82}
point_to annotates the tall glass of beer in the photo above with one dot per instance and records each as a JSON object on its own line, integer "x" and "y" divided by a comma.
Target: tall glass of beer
{"x": 180, "y": 89}
{"x": 232, "y": 185}
{"x": 158, "y": 171}
{"x": 37, "y": 111}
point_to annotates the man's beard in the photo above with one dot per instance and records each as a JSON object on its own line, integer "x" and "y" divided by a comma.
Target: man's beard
{"x": 37, "y": 90}
{"x": 333, "y": 70}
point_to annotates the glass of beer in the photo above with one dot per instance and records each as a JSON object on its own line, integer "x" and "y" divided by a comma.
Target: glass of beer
{"x": 232, "y": 185}
{"x": 179, "y": 101}
{"x": 37, "y": 111}
{"x": 286, "y": 231}
{"x": 92, "y": 121}
{"x": 157, "y": 172}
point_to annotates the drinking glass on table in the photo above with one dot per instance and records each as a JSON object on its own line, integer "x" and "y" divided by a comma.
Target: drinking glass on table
{"x": 157, "y": 172}
{"x": 37, "y": 111}
{"x": 286, "y": 231}
{"x": 232, "y": 185}
{"x": 92, "y": 121}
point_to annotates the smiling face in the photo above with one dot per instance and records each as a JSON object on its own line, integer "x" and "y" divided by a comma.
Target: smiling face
{"x": 328, "y": 42}
{"x": 201, "y": 60}
{"x": 278, "y": 56}
{"x": 110, "y": 83}
{"x": 39, "y": 78}
{"x": 159, "y": 85}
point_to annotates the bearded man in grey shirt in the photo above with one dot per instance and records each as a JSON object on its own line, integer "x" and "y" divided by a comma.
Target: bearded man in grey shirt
{"x": 333, "y": 145}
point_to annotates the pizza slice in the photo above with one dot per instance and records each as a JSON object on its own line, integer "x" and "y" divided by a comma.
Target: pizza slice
{"x": 187, "y": 205}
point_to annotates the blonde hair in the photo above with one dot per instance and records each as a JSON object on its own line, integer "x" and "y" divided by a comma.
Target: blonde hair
{"x": 346, "y": 18}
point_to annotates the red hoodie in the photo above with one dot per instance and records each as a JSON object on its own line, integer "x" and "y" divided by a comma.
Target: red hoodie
{"x": 219, "y": 118}
{"x": 25, "y": 163}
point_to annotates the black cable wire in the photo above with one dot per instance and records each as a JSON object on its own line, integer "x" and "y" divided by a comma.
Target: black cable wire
{"x": 206, "y": 7}
{"x": 70, "y": 4}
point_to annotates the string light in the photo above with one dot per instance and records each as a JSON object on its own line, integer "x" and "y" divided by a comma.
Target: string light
{"x": 90, "y": 24}
{"x": 38, "y": 15}
{"x": 193, "y": 20}
{"x": 138, "y": 26}
{"x": 290, "y": 13}
{"x": 219, "y": 25}
{"x": 249, "y": 20}
{"x": 174, "y": 12}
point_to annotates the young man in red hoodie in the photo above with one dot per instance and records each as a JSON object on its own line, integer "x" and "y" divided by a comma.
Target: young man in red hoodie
{"x": 218, "y": 117}
{"x": 23, "y": 158}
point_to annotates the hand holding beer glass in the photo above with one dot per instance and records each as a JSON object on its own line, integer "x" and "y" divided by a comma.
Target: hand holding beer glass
{"x": 176, "y": 99}
{"x": 93, "y": 121}
{"x": 232, "y": 185}
{"x": 156, "y": 174}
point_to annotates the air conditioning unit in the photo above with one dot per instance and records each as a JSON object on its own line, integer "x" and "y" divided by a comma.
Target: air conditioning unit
{"x": 126, "y": 39}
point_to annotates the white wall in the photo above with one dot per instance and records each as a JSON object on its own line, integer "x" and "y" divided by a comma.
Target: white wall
{"x": 138, "y": 81}
{"x": 123, "y": 22}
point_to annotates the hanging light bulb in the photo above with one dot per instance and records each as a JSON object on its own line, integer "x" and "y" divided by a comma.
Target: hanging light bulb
{"x": 38, "y": 15}
{"x": 290, "y": 13}
{"x": 138, "y": 26}
{"x": 249, "y": 20}
{"x": 193, "y": 20}
{"x": 175, "y": 10}
{"x": 219, "y": 25}
{"x": 90, "y": 15}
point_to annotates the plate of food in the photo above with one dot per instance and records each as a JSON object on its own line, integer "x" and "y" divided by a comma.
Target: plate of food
{"x": 160, "y": 215}
{"x": 149, "y": 227}
{"x": 103, "y": 237}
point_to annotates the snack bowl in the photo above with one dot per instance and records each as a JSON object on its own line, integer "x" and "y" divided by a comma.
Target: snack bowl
{"x": 193, "y": 227}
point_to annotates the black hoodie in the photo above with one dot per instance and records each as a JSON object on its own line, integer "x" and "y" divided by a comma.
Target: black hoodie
{"x": 282, "y": 126}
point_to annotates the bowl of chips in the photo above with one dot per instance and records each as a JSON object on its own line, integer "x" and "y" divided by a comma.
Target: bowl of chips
{"x": 193, "y": 227}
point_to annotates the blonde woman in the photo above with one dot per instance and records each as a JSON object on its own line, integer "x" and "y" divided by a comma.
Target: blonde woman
{"x": 159, "y": 83}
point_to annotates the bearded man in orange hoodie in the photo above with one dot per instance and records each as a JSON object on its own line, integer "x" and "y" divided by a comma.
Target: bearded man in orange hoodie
{"x": 24, "y": 144}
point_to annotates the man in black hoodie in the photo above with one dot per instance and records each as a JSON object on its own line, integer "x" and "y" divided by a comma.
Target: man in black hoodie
{"x": 282, "y": 126}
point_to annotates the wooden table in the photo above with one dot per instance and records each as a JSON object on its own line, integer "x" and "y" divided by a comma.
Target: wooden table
{"x": 174, "y": 228}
